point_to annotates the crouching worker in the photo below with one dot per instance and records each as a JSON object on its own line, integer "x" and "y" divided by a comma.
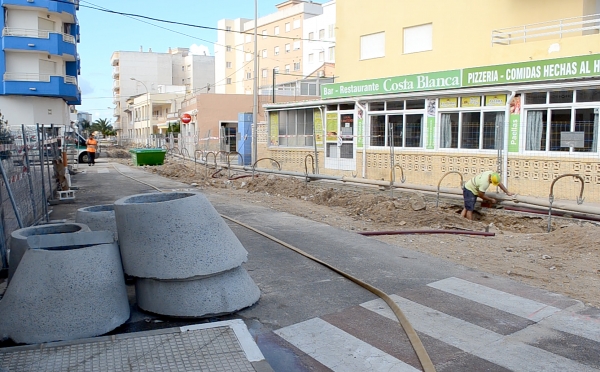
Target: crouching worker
{"x": 477, "y": 186}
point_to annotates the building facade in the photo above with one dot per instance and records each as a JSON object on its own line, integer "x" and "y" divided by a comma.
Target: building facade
{"x": 280, "y": 47}
{"x": 144, "y": 73}
{"x": 39, "y": 61}
{"x": 432, "y": 90}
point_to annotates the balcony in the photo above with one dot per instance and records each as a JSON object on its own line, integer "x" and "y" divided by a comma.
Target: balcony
{"x": 115, "y": 72}
{"x": 114, "y": 60}
{"x": 550, "y": 30}
{"x": 54, "y": 43}
{"x": 44, "y": 85}
{"x": 116, "y": 85}
{"x": 65, "y": 6}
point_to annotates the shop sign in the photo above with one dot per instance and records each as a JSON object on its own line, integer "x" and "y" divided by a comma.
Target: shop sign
{"x": 497, "y": 100}
{"x": 521, "y": 72}
{"x": 448, "y": 102}
{"x": 550, "y": 69}
{"x": 398, "y": 84}
{"x": 474, "y": 101}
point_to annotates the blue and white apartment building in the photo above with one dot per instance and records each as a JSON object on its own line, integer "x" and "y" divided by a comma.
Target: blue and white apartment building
{"x": 39, "y": 61}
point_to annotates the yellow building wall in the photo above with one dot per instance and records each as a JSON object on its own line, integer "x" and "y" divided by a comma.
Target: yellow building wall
{"x": 462, "y": 32}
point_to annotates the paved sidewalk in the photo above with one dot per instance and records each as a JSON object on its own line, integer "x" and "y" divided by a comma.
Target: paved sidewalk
{"x": 213, "y": 347}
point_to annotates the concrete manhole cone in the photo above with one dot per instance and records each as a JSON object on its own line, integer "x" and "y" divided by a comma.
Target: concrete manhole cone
{"x": 98, "y": 218}
{"x": 174, "y": 235}
{"x": 65, "y": 293}
{"x": 18, "y": 240}
{"x": 222, "y": 293}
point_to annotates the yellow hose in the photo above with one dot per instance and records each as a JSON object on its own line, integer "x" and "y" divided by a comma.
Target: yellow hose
{"x": 414, "y": 339}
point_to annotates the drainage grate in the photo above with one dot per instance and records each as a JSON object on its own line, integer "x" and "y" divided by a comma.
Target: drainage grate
{"x": 173, "y": 349}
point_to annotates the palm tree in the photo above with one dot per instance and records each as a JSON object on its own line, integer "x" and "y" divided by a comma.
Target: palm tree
{"x": 103, "y": 126}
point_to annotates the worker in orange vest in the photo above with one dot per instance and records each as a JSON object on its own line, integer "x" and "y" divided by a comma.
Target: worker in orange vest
{"x": 92, "y": 145}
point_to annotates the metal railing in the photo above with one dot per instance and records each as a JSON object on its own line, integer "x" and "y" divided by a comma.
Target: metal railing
{"x": 574, "y": 26}
{"x": 35, "y": 33}
{"x": 44, "y": 78}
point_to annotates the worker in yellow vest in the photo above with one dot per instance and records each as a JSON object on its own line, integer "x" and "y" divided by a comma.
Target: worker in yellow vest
{"x": 92, "y": 145}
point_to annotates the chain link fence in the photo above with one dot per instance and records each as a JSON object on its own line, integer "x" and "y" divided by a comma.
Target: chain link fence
{"x": 30, "y": 164}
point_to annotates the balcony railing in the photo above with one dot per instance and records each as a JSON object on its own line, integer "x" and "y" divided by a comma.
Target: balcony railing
{"x": 44, "y": 78}
{"x": 38, "y": 34}
{"x": 566, "y": 27}
{"x": 23, "y": 76}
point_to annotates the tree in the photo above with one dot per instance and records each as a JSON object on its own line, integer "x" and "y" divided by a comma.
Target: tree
{"x": 103, "y": 126}
{"x": 174, "y": 128}
{"x": 6, "y": 138}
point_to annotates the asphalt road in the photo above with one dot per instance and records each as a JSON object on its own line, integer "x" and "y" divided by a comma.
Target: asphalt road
{"x": 310, "y": 318}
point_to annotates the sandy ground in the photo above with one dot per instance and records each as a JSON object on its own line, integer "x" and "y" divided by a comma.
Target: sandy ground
{"x": 565, "y": 261}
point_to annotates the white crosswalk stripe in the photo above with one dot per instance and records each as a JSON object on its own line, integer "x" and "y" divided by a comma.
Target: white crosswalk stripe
{"x": 512, "y": 304}
{"x": 478, "y": 341}
{"x": 341, "y": 351}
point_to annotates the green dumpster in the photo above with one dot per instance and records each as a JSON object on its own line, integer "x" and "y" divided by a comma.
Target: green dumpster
{"x": 148, "y": 156}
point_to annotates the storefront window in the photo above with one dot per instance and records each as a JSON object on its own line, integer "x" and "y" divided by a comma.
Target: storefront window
{"x": 536, "y": 98}
{"x": 395, "y": 105}
{"x": 588, "y": 95}
{"x": 415, "y": 104}
{"x": 296, "y": 128}
{"x": 561, "y": 96}
{"x": 472, "y": 130}
{"x": 377, "y": 106}
{"x": 397, "y": 130}
{"x": 545, "y": 127}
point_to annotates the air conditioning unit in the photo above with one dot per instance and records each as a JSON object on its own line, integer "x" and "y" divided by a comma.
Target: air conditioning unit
{"x": 321, "y": 73}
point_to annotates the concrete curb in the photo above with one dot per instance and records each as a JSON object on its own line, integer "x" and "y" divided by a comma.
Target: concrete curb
{"x": 174, "y": 235}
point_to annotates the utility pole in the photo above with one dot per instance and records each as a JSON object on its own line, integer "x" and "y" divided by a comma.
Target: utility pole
{"x": 255, "y": 88}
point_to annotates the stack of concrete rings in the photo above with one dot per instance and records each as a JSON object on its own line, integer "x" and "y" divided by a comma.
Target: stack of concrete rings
{"x": 186, "y": 259}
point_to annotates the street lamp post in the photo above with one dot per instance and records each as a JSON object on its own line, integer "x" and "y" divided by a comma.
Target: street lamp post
{"x": 150, "y": 113}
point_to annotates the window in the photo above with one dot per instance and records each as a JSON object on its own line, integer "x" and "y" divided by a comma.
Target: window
{"x": 331, "y": 53}
{"x": 248, "y": 75}
{"x": 228, "y": 64}
{"x": 287, "y": 48}
{"x": 296, "y": 128}
{"x": 287, "y": 69}
{"x": 331, "y": 30}
{"x": 296, "y": 23}
{"x": 276, "y": 30}
{"x": 248, "y": 56}
{"x": 296, "y": 66}
{"x": 567, "y": 112}
{"x": 264, "y": 34}
{"x": 265, "y": 73}
{"x": 472, "y": 130}
{"x": 321, "y": 56}
{"x": 228, "y": 28}
{"x": 397, "y": 130}
{"x": 296, "y": 45}
{"x": 321, "y": 34}
{"x": 418, "y": 38}
{"x": 228, "y": 80}
{"x": 276, "y": 70}
{"x": 372, "y": 46}
{"x": 311, "y": 57}
{"x": 311, "y": 36}
{"x": 276, "y": 50}
{"x": 264, "y": 53}
{"x": 287, "y": 27}
{"x": 182, "y": 68}
{"x": 228, "y": 48}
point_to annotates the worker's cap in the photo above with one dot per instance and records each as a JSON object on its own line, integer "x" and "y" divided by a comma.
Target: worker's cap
{"x": 495, "y": 178}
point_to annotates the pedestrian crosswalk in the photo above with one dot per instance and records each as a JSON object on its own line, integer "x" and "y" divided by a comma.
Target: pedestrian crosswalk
{"x": 465, "y": 326}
